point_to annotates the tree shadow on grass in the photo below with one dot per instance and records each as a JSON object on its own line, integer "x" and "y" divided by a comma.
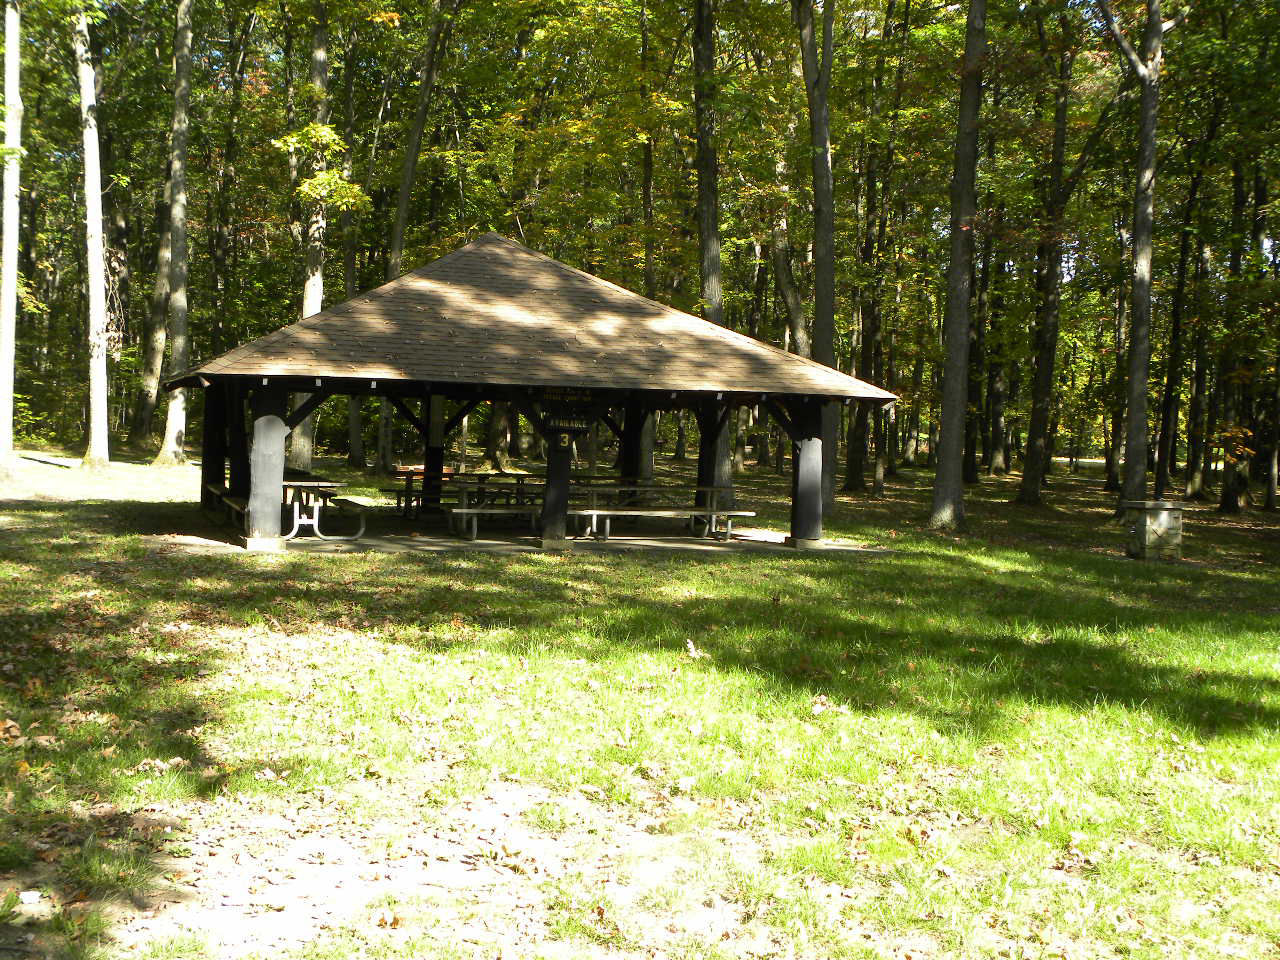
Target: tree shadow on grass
{"x": 1061, "y": 628}
{"x": 95, "y": 696}
{"x": 105, "y": 634}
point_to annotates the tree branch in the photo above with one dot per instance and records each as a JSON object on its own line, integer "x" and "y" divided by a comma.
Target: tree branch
{"x": 1090, "y": 144}
{"x": 828, "y": 42}
{"x": 1126, "y": 48}
{"x": 1177, "y": 21}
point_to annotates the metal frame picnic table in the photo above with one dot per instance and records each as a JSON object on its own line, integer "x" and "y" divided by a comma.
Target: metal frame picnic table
{"x": 308, "y": 498}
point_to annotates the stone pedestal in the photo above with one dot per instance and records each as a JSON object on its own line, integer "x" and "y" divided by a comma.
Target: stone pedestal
{"x": 1154, "y": 528}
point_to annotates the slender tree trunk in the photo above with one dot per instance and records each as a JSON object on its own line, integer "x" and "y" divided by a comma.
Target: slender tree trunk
{"x": 816, "y": 56}
{"x": 302, "y": 440}
{"x": 155, "y": 332}
{"x": 96, "y": 453}
{"x": 977, "y": 363}
{"x": 1235, "y": 477}
{"x": 1273, "y": 460}
{"x": 1135, "y": 445}
{"x": 1145, "y": 63}
{"x": 785, "y": 281}
{"x": 706, "y": 163}
{"x": 9, "y": 245}
{"x": 442, "y": 11}
{"x": 997, "y": 373}
{"x": 948, "y": 486}
{"x": 175, "y": 426}
{"x": 355, "y": 425}
{"x": 1194, "y": 484}
{"x": 1173, "y": 363}
{"x": 707, "y": 166}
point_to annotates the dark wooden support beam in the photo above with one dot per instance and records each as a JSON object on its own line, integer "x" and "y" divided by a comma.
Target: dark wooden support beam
{"x": 409, "y": 415}
{"x": 213, "y": 445}
{"x": 266, "y": 470}
{"x": 433, "y": 452}
{"x": 238, "y": 474}
{"x": 806, "y": 473}
{"x": 452, "y": 423}
{"x": 555, "y": 502}
{"x": 607, "y": 419}
{"x": 306, "y": 408}
{"x": 784, "y": 419}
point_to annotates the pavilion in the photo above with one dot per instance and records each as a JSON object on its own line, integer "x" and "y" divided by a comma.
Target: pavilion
{"x": 497, "y": 321}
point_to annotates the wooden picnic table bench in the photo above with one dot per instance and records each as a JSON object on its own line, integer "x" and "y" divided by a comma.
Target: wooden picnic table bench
{"x": 236, "y": 508}
{"x": 465, "y": 521}
{"x": 598, "y": 520}
{"x": 606, "y": 501}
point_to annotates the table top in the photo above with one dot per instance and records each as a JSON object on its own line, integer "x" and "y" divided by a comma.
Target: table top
{"x": 312, "y": 484}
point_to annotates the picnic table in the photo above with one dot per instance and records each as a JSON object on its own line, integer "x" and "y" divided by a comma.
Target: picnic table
{"x": 498, "y": 494}
{"x": 308, "y": 500}
{"x": 711, "y": 505}
{"x": 594, "y": 503}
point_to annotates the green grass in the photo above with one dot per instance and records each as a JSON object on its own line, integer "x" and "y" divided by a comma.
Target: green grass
{"x": 1016, "y": 743}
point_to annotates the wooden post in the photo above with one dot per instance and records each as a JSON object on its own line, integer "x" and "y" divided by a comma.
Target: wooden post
{"x": 555, "y": 503}
{"x": 433, "y": 454}
{"x": 266, "y": 470}
{"x": 806, "y": 473}
{"x": 213, "y": 445}
{"x": 238, "y": 479}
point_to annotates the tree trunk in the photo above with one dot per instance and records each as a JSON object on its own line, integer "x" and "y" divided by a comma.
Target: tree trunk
{"x": 977, "y": 362}
{"x": 705, "y": 93}
{"x": 784, "y": 280}
{"x": 1235, "y": 477}
{"x": 431, "y": 56}
{"x": 705, "y": 90}
{"x": 1194, "y": 483}
{"x": 175, "y": 427}
{"x": 1273, "y": 459}
{"x": 355, "y": 424}
{"x": 948, "y": 487}
{"x": 9, "y": 245}
{"x": 816, "y": 63}
{"x": 1145, "y": 63}
{"x": 997, "y": 377}
{"x": 225, "y": 279}
{"x": 384, "y": 456}
{"x": 302, "y": 440}
{"x": 96, "y": 453}
{"x": 155, "y": 331}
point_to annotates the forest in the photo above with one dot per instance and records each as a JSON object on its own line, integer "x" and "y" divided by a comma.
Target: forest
{"x": 1065, "y": 206}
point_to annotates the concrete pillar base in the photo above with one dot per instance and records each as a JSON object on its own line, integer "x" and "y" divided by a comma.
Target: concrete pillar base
{"x": 803, "y": 544}
{"x": 264, "y": 544}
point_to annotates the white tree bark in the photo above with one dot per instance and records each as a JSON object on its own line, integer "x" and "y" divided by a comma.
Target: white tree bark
{"x": 313, "y": 284}
{"x": 175, "y": 425}
{"x": 9, "y": 246}
{"x": 96, "y": 452}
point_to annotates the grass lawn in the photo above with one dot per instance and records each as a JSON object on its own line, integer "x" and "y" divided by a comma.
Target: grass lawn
{"x": 1015, "y": 744}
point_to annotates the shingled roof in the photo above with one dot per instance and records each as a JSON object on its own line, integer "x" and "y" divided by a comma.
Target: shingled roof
{"x": 495, "y": 312}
